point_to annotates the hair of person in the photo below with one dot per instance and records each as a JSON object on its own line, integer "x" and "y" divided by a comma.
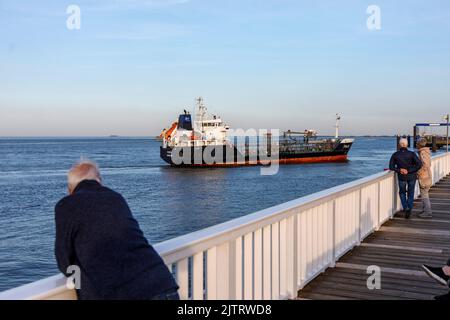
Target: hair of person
{"x": 84, "y": 169}
{"x": 422, "y": 143}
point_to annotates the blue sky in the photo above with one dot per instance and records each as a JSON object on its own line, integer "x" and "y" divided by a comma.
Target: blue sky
{"x": 134, "y": 65}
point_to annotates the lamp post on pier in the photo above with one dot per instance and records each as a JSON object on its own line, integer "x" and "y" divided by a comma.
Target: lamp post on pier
{"x": 447, "y": 118}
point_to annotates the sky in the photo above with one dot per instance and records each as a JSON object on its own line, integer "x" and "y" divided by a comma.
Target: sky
{"x": 133, "y": 66}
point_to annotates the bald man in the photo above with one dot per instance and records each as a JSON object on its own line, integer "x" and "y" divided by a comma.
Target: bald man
{"x": 96, "y": 232}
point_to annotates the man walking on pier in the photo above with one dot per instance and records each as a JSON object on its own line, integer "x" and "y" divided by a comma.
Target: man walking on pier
{"x": 406, "y": 164}
{"x": 97, "y": 234}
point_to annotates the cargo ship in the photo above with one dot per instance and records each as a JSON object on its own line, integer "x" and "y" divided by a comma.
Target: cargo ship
{"x": 204, "y": 142}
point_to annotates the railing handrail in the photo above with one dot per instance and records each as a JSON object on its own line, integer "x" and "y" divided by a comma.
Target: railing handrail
{"x": 185, "y": 246}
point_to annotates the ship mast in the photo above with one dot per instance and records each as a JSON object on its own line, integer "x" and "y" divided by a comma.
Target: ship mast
{"x": 201, "y": 113}
{"x": 338, "y": 117}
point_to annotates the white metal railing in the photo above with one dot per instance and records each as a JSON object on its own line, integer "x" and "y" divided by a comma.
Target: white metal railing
{"x": 273, "y": 253}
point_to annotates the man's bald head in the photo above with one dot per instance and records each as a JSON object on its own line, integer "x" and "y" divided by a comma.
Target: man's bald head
{"x": 83, "y": 170}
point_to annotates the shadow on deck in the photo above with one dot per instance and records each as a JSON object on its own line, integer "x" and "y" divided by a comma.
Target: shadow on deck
{"x": 399, "y": 248}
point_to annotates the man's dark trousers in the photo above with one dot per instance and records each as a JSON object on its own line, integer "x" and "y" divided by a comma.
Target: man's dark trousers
{"x": 406, "y": 191}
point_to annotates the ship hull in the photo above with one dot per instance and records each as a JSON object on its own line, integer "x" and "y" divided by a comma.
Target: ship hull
{"x": 230, "y": 157}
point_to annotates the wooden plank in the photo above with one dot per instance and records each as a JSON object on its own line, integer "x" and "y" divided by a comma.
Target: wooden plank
{"x": 387, "y": 270}
{"x": 432, "y": 220}
{"x": 360, "y": 289}
{"x": 391, "y": 264}
{"x": 417, "y": 231}
{"x": 409, "y": 283}
{"x": 417, "y": 249}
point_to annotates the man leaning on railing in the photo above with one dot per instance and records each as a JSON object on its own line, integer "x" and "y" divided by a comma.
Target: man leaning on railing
{"x": 97, "y": 235}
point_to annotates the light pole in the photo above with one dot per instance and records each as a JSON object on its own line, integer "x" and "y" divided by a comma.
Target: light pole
{"x": 447, "y": 117}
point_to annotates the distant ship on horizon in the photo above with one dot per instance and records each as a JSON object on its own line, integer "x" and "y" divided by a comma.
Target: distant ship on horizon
{"x": 209, "y": 133}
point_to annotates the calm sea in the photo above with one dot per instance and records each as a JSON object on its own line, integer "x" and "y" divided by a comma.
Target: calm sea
{"x": 166, "y": 201}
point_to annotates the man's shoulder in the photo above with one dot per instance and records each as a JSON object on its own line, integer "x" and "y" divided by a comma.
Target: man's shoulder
{"x": 80, "y": 198}
{"x": 65, "y": 204}
{"x": 412, "y": 153}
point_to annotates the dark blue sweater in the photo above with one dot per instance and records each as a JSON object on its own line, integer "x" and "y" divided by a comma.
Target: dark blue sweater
{"x": 96, "y": 231}
{"x": 405, "y": 159}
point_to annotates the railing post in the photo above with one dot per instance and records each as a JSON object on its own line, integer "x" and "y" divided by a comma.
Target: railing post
{"x": 333, "y": 221}
{"x": 183, "y": 278}
{"x": 379, "y": 206}
{"x": 291, "y": 258}
{"x": 232, "y": 274}
{"x": 197, "y": 274}
{"x": 223, "y": 273}
{"x": 359, "y": 215}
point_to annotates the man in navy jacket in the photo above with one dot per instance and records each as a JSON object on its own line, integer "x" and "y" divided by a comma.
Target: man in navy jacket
{"x": 406, "y": 163}
{"x": 96, "y": 232}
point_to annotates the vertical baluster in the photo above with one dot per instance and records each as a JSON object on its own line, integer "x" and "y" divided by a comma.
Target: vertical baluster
{"x": 379, "y": 206}
{"x": 302, "y": 248}
{"x": 299, "y": 251}
{"x": 248, "y": 266}
{"x": 315, "y": 239}
{"x": 275, "y": 261}
{"x": 267, "y": 268}
{"x": 324, "y": 234}
{"x": 330, "y": 243}
{"x": 337, "y": 229}
{"x": 361, "y": 217}
{"x": 238, "y": 269}
{"x": 283, "y": 254}
{"x": 183, "y": 278}
{"x": 291, "y": 257}
{"x": 257, "y": 278}
{"x": 211, "y": 274}
{"x": 306, "y": 229}
{"x": 224, "y": 269}
{"x": 320, "y": 236}
{"x": 197, "y": 276}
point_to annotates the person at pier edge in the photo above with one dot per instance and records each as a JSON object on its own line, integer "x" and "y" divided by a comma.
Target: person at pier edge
{"x": 406, "y": 164}
{"x": 424, "y": 175}
{"x": 97, "y": 235}
{"x": 441, "y": 275}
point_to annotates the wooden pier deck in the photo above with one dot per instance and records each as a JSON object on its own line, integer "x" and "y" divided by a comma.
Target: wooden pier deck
{"x": 399, "y": 248}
